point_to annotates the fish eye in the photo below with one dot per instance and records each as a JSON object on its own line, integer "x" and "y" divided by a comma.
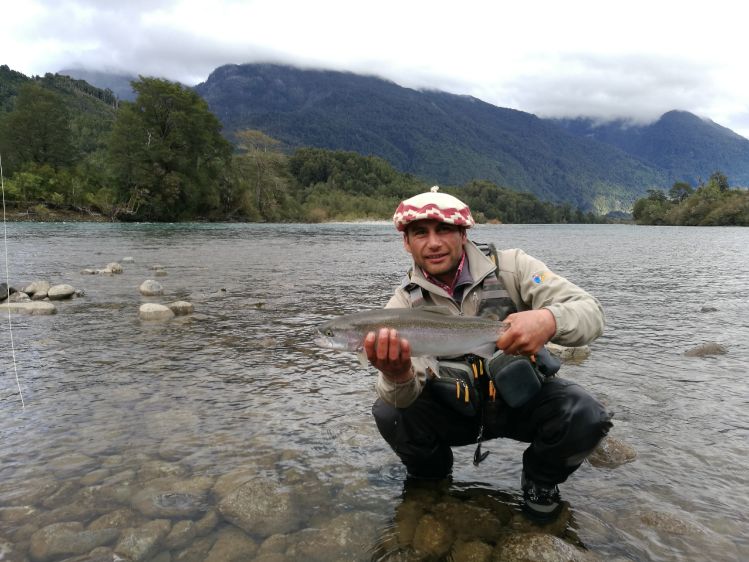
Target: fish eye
{"x": 329, "y": 333}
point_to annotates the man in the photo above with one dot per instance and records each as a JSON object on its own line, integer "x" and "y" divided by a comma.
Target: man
{"x": 561, "y": 421}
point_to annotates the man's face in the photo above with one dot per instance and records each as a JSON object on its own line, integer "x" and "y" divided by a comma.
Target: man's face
{"x": 436, "y": 247}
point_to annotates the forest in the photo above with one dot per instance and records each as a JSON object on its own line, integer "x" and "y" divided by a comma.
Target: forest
{"x": 711, "y": 203}
{"x": 66, "y": 145}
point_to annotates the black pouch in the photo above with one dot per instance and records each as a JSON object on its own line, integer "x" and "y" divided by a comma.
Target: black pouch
{"x": 453, "y": 387}
{"x": 515, "y": 378}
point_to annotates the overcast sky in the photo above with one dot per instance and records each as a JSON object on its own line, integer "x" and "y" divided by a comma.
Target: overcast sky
{"x": 632, "y": 60}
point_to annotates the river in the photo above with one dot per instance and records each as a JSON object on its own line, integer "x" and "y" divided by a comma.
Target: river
{"x": 115, "y": 405}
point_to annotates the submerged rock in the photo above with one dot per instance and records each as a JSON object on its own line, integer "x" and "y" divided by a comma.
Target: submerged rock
{"x": 141, "y": 543}
{"x": 181, "y": 308}
{"x": 174, "y": 498}
{"x": 710, "y": 348}
{"x": 611, "y": 453}
{"x": 153, "y": 311}
{"x": 61, "y": 539}
{"x": 232, "y": 545}
{"x": 60, "y": 292}
{"x": 262, "y": 507}
{"x": 151, "y": 288}
{"x": 34, "y": 307}
{"x": 537, "y": 547}
{"x": 569, "y": 353}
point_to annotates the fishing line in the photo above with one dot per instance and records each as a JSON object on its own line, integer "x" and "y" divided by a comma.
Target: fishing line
{"x": 7, "y": 287}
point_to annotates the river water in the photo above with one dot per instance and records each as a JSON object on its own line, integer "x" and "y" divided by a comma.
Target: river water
{"x": 238, "y": 385}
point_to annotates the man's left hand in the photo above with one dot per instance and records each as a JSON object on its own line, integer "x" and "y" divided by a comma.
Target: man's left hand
{"x": 529, "y": 331}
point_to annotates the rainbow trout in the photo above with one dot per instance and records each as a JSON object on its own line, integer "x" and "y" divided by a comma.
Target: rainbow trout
{"x": 431, "y": 331}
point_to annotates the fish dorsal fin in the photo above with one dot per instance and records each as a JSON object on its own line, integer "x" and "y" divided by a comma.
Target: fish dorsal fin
{"x": 444, "y": 310}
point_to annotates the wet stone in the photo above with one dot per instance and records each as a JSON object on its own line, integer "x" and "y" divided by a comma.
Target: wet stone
{"x": 155, "y": 312}
{"x": 182, "y": 534}
{"x": 65, "y": 539}
{"x": 710, "y": 348}
{"x": 141, "y": 543}
{"x": 151, "y": 288}
{"x": 474, "y": 551}
{"x": 173, "y": 498}
{"x": 432, "y": 536}
{"x": 196, "y": 552}
{"x": 117, "y": 519}
{"x": 71, "y": 464}
{"x": 538, "y": 547}
{"x": 261, "y": 507}
{"x": 37, "y": 308}
{"x": 60, "y": 292}
{"x": 181, "y": 308}
{"x": 469, "y": 521}
{"x": 232, "y": 545}
{"x": 611, "y": 453}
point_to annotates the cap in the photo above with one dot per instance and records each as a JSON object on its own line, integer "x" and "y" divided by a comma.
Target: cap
{"x": 433, "y": 205}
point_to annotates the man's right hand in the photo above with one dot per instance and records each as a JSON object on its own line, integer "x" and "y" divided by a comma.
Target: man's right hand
{"x": 389, "y": 354}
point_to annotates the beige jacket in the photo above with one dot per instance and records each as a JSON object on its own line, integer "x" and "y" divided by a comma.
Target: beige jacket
{"x": 530, "y": 285}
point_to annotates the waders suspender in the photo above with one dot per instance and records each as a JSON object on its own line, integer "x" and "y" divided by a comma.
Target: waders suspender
{"x": 495, "y": 303}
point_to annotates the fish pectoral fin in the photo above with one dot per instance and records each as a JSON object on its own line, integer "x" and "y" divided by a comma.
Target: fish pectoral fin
{"x": 485, "y": 351}
{"x": 363, "y": 361}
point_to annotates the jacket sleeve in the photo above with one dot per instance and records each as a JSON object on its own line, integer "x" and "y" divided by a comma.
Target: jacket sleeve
{"x": 579, "y": 316}
{"x": 404, "y": 394}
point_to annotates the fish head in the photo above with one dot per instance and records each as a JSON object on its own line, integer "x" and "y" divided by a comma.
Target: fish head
{"x": 332, "y": 336}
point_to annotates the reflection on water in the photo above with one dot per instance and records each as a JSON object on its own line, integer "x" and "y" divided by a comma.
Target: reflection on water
{"x": 162, "y": 440}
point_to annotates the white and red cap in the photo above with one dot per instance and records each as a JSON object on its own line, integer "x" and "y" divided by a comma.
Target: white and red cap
{"x": 433, "y": 205}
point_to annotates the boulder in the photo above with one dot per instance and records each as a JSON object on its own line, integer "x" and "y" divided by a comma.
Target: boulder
{"x": 151, "y": 288}
{"x": 261, "y": 507}
{"x": 19, "y": 296}
{"x": 141, "y": 543}
{"x": 60, "y": 292}
{"x": 710, "y": 348}
{"x": 611, "y": 453}
{"x": 5, "y": 291}
{"x": 113, "y": 268}
{"x": 34, "y": 307}
{"x": 153, "y": 311}
{"x": 535, "y": 547}
{"x": 181, "y": 308}
{"x": 38, "y": 286}
{"x": 65, "y": 539}
{"x": 174, "y": 498}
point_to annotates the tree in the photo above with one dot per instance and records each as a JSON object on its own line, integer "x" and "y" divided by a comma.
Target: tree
{"x": 37, "y": 131}
{"x": 679, "y": 191}
{"x": 719, "y": 180}
{"x": 166, "y": 151}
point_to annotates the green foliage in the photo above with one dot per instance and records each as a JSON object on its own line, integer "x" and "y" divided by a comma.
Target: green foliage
{"x": 711, "y": 204}
{"x": 166, "y": 149}
{"x": 37, "y": 130}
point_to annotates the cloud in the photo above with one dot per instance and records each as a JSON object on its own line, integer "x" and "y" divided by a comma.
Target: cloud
{"x": 550, "y": 58}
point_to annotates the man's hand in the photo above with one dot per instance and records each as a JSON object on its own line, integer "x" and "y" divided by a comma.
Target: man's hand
{"x": 529, "y": 331}
{"x": 389, "y": 354}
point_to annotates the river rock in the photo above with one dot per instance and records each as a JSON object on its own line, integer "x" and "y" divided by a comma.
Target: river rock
{"x": 181, "y": 308}
{"x": 128, "y": 259}
{"x": 118, "y": 519}
{"x": 196, "y": 551}
{"x": 4, "y": 292}
{"x": 182, "y": 533}
{"x": 569, "y": 353}
{"x": 539, "y": 547}
{"x": 38, "y": 286}
{"x": 65, "y": 539}
{"x": 151, "y": 288}
{"x": 10, "y": 552}
{"x": 611, "y": 453}
{"x": 17, "y": 514}
{"x": 18, "y": 296}
{"x": 174, "y": 498}
{"x": 113, "y": 268}
{"x": 207, "y": 523}
{"x": 473, "y": 551}
{"x": 344, "y": 537}
{"x": 153, "y": 311}
{"x": 60, "y": 292}
{"x": 153, "y": 469}
{"x": 710, "y": 348}
{"x": 232, "y": 545}
{"x": 261, "y": 507}
{"x": 71, "y": 464}
{"x": 432, "y": 536}
{"x": 469, "y": 521}
{"x": 141, "y": 543}
{"x": 160, "y": 273}
{"x": 38, "y": 308}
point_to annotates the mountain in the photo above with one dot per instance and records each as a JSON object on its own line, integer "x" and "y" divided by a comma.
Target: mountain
{"x": 683, "y": 145}
{"x": 119, "y": 84}
{"x": 440, "y": 137}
